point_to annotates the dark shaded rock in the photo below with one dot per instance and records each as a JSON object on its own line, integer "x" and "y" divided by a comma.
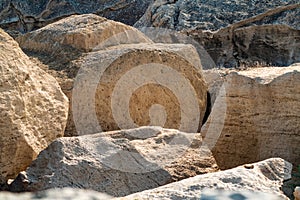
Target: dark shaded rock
{"x": 215, "y": 14}
{"x": 23, "y": 16}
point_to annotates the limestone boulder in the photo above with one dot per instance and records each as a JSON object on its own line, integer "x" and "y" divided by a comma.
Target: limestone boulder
{"x": 259, "y": 119}
{"x": 260, "y": 180}
{"x": 117, "y": 163}
{"x": 119, "y": 77}
{"x": 33, "y": 109}
{"x": 80, "y": 33}
{"x": 139, "y": 85}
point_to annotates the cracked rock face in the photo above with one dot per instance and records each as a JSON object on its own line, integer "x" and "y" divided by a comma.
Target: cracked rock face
{"x": 262, "y": 180}
{"x": 23, "y": 16}
{"x": 118, "y": 163}
{"x": 33, "y": 109}
{"x": 214, "y": 14}
{"x": 261, "y": 120}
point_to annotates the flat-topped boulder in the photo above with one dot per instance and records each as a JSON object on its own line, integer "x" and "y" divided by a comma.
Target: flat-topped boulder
{"x": 117, "y": 163}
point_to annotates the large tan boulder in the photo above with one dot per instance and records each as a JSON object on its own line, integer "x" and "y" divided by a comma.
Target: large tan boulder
{"x": 260, "y": 118}
{"x": 33, "y": 109}
{"x": 261, "y": 180}
{"x": 139, "y": 85}
{"x": 119, "y": 77}
{"x": 117, "y": 163}
{"x": 79, "y": 32}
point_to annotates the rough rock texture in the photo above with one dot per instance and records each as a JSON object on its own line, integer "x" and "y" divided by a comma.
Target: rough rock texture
{"x": 81, "y": 33}
{"x": 23, "y": 16}
{"x": 67, "y": 39}
{"x": 265, "y": 176}
{"x": 118, "y": 163}
{"x": 58, "y": 194}
{"x": 237, "y": 46}
{"x": 261, "y": 117}
{"x": 33, "y": 109}
{"x": 139, "y": 85}
{"x": 215, "y": 14}
{"x": 235, "y": 41}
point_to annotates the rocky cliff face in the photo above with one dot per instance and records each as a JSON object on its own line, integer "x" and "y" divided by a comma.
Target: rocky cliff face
{"x": 23, "y": 16}
{"x": 213, "y": 14}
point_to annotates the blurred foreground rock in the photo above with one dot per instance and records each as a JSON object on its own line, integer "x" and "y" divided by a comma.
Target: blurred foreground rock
{"x": 265, "y": 177}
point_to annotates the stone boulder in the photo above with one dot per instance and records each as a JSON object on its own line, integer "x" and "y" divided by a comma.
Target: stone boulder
{"x": 59, "y": 194}
{"x": 82, "y": 33}
{"x": 117, "y": 163}
{"x": 262, "y": 180}
{"x": 93, "y": 58}
{"x": 139, "y": 85}
{"x": 213, "y": 15}
{"x": 24, "y": 16}
{"x": 260, "y": 117}
{"x": 33, "y": 109}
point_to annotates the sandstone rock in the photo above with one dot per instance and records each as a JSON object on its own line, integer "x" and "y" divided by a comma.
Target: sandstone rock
{"x": 58, "y": 194}
{"x": 118, "y": 163}
{"x": 265, "y": 177}
{"x": 33, "y": 109}
{"x": 83, "y": 33}
{"x": 139, "y": 85}
{"x": 101, "y": 74}
{"x": 26, "y": 16}
{"x": 213, "y": 15}
{"x": 261, "y": 118}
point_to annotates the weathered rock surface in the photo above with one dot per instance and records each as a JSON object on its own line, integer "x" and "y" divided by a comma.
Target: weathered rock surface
{"x": 139, "y": 85}
{"x": 118, "y": 163}
{"x": 235, "y": 42}
{"x": 237, "y": 46}
{"x": 261, "y": 117}
{"x": 265, "y": 176}
{"x": 120, "y": 55}
{"x": 33, "y": 109}
{"x": 82, "y": 33}
{"x": 24, "y": 16}
{"x": 58, "y": 194}
{"x": 214, "y": 14}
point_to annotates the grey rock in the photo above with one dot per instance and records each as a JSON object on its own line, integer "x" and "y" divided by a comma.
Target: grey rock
{"x": 267, "y": 45}
{"x": 118, "y": 163}
{"x": 264, "y": 177}
{"x": 23, "y": 16}
{"x": 57, "y": 194}
{"x": 213, "y": 14}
